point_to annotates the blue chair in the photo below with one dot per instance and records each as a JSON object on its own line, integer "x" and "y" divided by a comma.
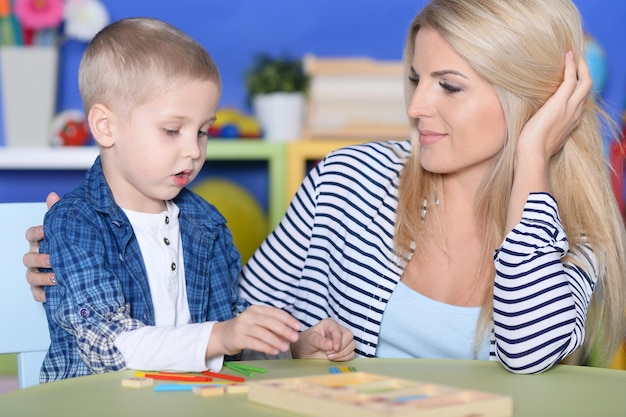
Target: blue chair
{"x": 23, "y": 324}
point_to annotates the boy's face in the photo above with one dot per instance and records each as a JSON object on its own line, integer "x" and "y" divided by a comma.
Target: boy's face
{"x": 160, "y": 146}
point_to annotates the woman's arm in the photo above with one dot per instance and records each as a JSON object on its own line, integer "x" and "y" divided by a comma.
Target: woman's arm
{"x": 540, "y": 303}
{"x": 272, "y": 275}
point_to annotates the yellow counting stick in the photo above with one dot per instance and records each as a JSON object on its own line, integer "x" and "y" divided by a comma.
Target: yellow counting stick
{"x": 208, "y": 390}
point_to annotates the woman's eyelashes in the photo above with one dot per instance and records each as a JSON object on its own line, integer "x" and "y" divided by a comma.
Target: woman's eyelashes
{"x": 449, "y": 88}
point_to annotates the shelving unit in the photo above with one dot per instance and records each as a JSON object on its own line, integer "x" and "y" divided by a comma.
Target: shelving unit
{"x": 60, "y": 169}
{"x": 257, "y": 150}
{"x": 47, "y": 158}
{"x": 301, "y": 152}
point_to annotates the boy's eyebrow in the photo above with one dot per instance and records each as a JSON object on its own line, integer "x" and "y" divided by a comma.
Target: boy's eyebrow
{"x": 210, "y": 119}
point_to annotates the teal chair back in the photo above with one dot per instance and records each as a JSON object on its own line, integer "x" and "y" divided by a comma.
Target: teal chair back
{"x": 23, "y": 324}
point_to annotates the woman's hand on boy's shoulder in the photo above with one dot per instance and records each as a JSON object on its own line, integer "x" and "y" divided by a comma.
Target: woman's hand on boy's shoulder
{"x": 33, "y": 260}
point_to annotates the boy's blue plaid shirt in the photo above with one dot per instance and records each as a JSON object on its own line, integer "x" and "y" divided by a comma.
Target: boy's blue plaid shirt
{"x": 102, "y": 288}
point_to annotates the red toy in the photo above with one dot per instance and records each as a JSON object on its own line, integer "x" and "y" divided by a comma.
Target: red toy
{"x": 69, "y": 128}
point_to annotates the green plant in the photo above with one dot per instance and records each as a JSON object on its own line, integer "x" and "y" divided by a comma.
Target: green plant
{"x": 273, "y": 74}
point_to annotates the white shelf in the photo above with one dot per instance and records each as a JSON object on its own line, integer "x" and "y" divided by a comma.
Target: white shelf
{"x": 36, "y": 158}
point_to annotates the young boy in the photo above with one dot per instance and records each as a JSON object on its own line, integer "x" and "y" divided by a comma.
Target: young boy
{"x": 146, "y": 270}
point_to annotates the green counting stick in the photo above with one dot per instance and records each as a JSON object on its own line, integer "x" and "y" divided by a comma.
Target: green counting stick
{"x": 249, "y": 367}
{"x": 235, "y": 368}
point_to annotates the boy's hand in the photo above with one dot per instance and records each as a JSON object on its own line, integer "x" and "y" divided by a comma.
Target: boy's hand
{"x": 326, "y": 340}
{"x": 33, "y": 260}
{"x": 260, "y": 328}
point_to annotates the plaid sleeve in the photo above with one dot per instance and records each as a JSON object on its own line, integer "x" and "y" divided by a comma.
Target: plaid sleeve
{"x": 87, "y": 308}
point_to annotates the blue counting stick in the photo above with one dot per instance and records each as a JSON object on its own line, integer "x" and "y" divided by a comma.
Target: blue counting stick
{"x": 410, "y": 398}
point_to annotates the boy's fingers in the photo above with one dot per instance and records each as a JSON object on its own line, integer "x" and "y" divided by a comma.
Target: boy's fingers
{"x": 269, "y": 329}
{"x": 346, "y": 353}
{"x": 334, "y": 332}
{"x": 269, "y": 339}
{"x": 277, "y": 314}
{"x": 319, "y": 342}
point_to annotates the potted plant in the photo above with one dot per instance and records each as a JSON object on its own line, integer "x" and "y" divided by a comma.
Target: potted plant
{"x": 276, "y": 88}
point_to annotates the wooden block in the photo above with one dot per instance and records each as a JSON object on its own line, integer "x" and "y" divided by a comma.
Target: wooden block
{"x": 314, "y": 65}
{"x": 137, "y": 382}
{"x": 236, "y": 389}
{"x": 208, "y": 390}
{"x": 372, "y": 395}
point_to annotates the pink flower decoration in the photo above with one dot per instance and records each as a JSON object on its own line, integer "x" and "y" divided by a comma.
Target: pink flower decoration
{"x": 39, "y": 14}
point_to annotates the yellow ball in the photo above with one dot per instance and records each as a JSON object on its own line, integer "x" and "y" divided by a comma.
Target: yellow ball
{"x": 246, "y": 220}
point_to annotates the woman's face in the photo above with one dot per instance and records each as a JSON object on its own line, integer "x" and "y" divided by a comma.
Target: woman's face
{"x": 458, "y": 115}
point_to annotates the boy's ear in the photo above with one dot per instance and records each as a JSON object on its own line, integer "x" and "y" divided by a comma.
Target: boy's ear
{"x": 100, "y": 120}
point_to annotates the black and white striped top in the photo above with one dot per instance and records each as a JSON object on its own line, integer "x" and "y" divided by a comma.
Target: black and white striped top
{"x": 332, "y": 256}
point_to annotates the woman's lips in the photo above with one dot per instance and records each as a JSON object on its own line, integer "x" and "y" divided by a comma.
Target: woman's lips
{"x": 429, "y": 137}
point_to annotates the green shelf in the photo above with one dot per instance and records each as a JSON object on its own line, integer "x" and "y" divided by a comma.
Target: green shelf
{"x": 257, "y": 150}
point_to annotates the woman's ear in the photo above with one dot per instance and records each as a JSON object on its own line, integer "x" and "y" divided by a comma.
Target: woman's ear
{"x": 100, "y": 123}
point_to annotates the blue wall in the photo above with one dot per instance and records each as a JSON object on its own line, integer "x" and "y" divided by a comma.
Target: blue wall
{"x": 233, "y": 31}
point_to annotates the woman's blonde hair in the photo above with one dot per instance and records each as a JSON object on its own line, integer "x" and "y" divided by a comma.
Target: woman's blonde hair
{"x": 134, "y": 59}
{"x": 519, "y": 47}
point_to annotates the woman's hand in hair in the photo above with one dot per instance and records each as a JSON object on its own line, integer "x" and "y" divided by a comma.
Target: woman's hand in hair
{"x": 548, "y": 129}
{"x": 545, "y": 134}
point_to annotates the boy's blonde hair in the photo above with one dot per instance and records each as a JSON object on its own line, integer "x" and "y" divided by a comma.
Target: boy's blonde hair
{"x": 133, "y": 59}
{"x": 519, "y": 47}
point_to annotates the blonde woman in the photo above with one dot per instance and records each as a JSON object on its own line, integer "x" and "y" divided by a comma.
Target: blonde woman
{"x": 487, "y": 235}
{"x": 491, "y": 234}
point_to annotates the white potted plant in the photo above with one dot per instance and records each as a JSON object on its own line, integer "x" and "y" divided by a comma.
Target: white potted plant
{"x": 276, "y": 88}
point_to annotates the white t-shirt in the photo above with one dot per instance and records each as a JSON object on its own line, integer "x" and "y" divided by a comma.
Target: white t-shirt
{"x": 175, "y": 343}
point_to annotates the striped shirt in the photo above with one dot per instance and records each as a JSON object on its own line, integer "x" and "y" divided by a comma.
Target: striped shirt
{"x": 332, "y": 256}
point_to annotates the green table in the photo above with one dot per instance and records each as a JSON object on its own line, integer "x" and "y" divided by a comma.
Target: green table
{"x": 563, "y": 391}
